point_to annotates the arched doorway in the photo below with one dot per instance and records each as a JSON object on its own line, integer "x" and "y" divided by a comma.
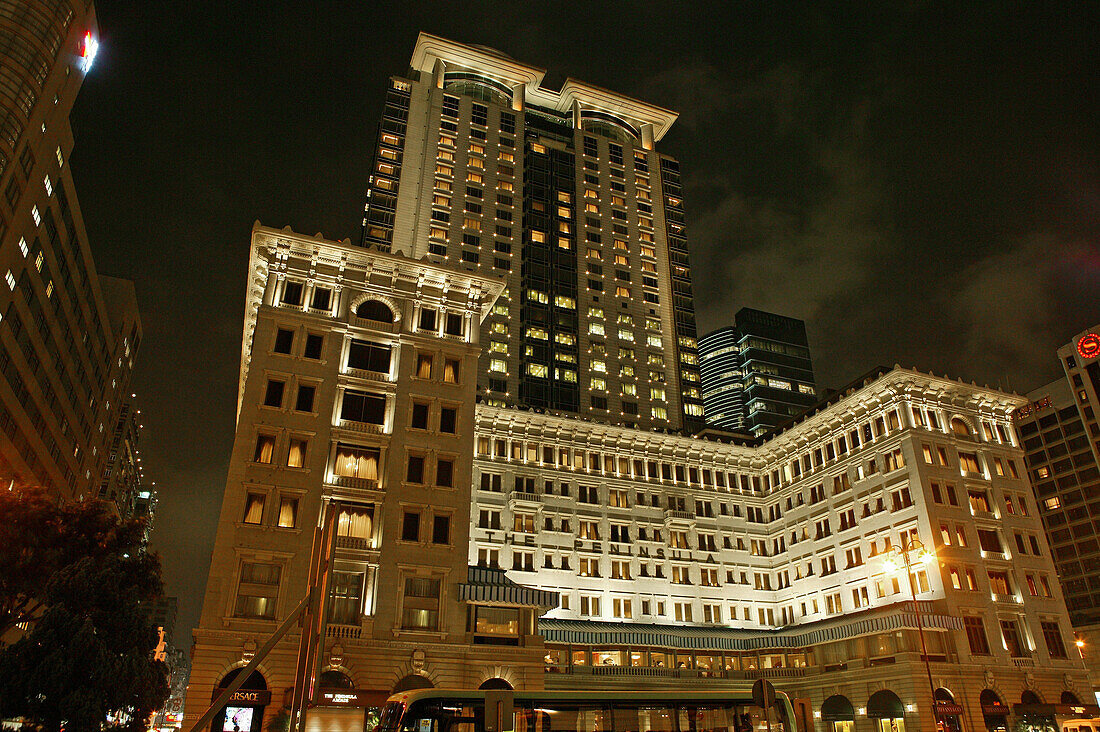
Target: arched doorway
{"x": 838, "y": 714}
{"x": 994, "y": 711}
{"x": 959, "y": 427}
{"x": 1034, "y": 715}
{"x": 1068, "y": 697}
{"x": 411, "y": 682}
{"x": 885, "y": 709}
{"x": 244, "y": 712}
{"x": 495, "y": 683}
{"x": 948, "y": 712}
{"x": 375, "y": 310}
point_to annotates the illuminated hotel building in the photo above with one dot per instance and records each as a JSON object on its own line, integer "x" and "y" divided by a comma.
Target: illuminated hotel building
{"x": 563, "y": 195}
{"x": 489, "y": 541}
{"x": 68, "y": 336}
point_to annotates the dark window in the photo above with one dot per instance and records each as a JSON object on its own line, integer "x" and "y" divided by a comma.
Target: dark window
{"x": 273, "y": 397}
{"x": 292, "y": 293}
{"x": 448, "y": 416}
{"x": 361, "y": 407}
{"x": 369, "y": 356}
{"x": 989, "y": 541}
{"x": 284, "y": 340}
{"x": 304, "y": 402}
{"x": 419, "y": 416}
{"x": 410, "y": 526}
{"x": 427, "y": 319}
{"x": 444, "y": 473}
{"x": 599, "y": 402}
{"x": 415, "y": 471}
{"x": 441, "y": 530}
{"x": 453, "y": 326}
{"x": 1052, "y": 634}
{"x": 322, "y": 298}
{"x": 374, "y": 310}
{"x": 975, "y": 635}
{"x": 314, "y": 342}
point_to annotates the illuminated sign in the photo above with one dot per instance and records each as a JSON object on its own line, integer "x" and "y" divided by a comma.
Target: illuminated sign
{"x": 345, "y": 697}
{"x": 88, "y": 52}
{"x": 256, "y": 697}
{"x": 1089, "y": 345}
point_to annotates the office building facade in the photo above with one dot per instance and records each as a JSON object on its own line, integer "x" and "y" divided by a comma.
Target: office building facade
{"x": 563, "y": 195}
{"x": 1061, "y": 438}
{"x": 68, "y": 336}
{"x": 756, "y": 374}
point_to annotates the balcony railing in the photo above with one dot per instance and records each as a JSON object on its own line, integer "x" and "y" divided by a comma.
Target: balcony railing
{"x": 1023, "y": 662}
{"x": 362, "y": 484}
{"x": 358, "y": 543}
{"x": 343, "y": 631}
{"x": 368, "y": 375}
{"x": 528, "y": 497}
{"x": 674, "y": 515}
{"x": 364, "y": 427}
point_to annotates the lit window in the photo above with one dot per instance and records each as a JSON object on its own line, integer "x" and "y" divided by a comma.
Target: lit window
{"x": 49, "y": 186}
{"x": 600, "y": 366}
{"x": 622, "y": 291}
{"x": 498, "y": 364}
{"x": 540, "y": 370}
{"x": 562, "y": 301}
{"x": 36, "y": 216}
{"x": 653, "y": 341}
{"x": 598, "y": 384}
{"x": 60, "y": 158}
{"x": 626, "y": 335}
{"x": 567, "y": 375}
{"x": 23, "y": 246}
{"x": 10, "y": 280}
{"x": 596, "y": 329}
{"x": 658, "y": 413}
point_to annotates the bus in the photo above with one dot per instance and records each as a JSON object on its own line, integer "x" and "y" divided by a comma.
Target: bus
{"x": 672, "y": 710}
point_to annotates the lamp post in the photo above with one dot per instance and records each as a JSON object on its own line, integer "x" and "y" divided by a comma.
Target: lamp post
{"x": 924, "y": 557}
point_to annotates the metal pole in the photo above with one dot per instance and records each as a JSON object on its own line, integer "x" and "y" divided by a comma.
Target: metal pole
{"x": 251, "y": 666}
{"x": 920, "y": 631}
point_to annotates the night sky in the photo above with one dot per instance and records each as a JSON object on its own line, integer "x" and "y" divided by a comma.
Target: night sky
{"x": 920, "y": 182}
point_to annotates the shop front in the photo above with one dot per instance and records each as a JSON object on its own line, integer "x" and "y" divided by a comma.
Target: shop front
{"x": 1038, "y": 717}
{"x": 994, "y": 711}
{"x": 244, "y": 711}
{"x": 948, "y": 713}
{"x": 838, "y": 714}
{"x": 341, "y": 707}
{"x": 886, "y": 711}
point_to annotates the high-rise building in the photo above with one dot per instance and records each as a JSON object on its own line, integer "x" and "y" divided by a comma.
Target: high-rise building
{"x": 756, "y": 374}
{"x": 67, "y": 335}
{"x": 1060, "y": 434}
{"x": 562, "y": 194}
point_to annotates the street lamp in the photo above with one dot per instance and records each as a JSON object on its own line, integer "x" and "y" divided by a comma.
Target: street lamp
{"x": 898, "y": 557}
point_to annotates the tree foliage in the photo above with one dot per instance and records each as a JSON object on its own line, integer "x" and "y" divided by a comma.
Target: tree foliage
{"x": 79, "y": 577}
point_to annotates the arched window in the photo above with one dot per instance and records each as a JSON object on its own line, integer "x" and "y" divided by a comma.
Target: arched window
{"x": 943, "y": 695}
{"x": 885, "y": 704}
{"x": 838, "y": 714}
{"x": 1030, "y": 697}
{"x": 254, "y": 681}
{"x": 495, "y": 683}
{"x": 959, "y": 427}
{"x": 374, "y": 310}
{"x": 412, "y": 682}
{"x": 994, "y": 711}
{"x": 1068, "y": 697}
{"x": 333, "y": 679}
